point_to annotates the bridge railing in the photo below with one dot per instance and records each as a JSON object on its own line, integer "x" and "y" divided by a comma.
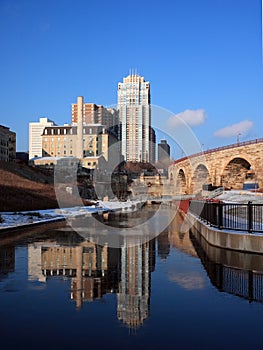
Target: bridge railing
{"x": 231, "y": 216}
{"x": 234, "y": 145}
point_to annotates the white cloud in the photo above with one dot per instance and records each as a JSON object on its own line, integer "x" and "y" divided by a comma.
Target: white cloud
{"x": 190, "y": 117}
{"x": 235, "y": 129}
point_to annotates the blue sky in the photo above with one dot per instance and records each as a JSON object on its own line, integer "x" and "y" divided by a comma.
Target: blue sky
{"x": 203, "y": 59}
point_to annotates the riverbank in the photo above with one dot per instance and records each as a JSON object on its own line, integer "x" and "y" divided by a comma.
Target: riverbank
{"x": 12, "y": 220}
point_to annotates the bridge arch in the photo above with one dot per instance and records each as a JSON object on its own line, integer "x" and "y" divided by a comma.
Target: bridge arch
{"x": 234, "y": 173}
{"x": 181, "y": 183}
{"x": 235, "y": 160}
{"x": 200, "y": 176}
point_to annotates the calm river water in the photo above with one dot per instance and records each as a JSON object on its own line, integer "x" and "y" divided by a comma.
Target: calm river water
{"x": 60, "y": 291}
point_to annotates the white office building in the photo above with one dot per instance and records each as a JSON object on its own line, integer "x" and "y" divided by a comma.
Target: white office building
{"x": 35, "y": 136}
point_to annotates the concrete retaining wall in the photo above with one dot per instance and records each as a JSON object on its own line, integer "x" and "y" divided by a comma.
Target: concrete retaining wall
{"x": 243, "y": 242}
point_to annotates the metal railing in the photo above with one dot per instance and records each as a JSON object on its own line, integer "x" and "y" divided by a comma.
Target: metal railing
{"x": 232, "y": 216}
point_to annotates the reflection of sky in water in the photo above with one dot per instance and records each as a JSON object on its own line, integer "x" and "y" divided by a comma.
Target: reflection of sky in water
{"x": 187, "y": 280}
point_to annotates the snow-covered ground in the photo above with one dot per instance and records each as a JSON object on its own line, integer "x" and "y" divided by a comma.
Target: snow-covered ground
{"x": 15, "y": 219}
{"x": 241, "y": 196}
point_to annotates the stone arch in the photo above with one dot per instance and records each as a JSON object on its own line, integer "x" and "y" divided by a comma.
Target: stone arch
{"x": 181, "y": 185}
{"x": 201, "y": 176}
{"x": 234, "y": 173}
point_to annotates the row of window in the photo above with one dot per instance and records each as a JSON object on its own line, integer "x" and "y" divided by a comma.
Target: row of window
{"x": 69, "y": 131}
{"x": 65, "y": 139}
{"x": 85, "y": 153}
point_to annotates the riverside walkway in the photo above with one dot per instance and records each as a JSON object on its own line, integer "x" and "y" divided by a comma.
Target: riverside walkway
{"x": 235, "y": 226}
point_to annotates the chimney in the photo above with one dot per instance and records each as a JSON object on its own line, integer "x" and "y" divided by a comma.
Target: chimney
{"x": 79, "y": 144}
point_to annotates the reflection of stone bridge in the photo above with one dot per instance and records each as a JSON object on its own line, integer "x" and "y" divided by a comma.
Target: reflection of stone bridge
{"x": 224, "y": 166}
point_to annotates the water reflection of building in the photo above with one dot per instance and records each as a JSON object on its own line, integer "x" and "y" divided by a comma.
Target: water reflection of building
{"x": 233, "y": 272}
{"x": 163, "y": 245}
{"x": 137, "y": 263}
{"x": 178, "y": 236}
{"x": 7, "y": 261}
{"x": 93, "y": 269}
{"x": 34, "y": 263}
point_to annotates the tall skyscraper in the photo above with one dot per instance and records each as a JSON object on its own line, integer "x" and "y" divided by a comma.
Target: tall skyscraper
{"x": 134, "y": 105}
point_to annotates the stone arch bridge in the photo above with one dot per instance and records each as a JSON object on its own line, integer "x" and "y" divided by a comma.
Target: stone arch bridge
{"x": 227, "y": 166}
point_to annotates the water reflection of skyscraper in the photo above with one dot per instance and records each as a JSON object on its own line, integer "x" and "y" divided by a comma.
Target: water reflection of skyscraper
{"x": 137, "y": 263}
{"x": 97, "y": 270}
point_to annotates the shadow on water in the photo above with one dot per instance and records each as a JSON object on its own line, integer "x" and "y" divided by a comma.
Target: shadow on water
{"x": 237, "y": 273}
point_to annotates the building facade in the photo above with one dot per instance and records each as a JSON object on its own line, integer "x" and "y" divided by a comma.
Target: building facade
{"x": 134, "y": 106}
{"x": 7, "y": 144}
{"x": 61, "y": 141}
{"x": 35, "y": 136}
{"x": 94, "y": 114}
{"x": 163, "y": 151}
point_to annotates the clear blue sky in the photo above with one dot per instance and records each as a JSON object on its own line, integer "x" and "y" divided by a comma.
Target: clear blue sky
{"x": 203, "y": 59}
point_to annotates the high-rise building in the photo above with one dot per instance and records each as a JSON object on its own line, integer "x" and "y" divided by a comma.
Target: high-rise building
{"x": 163, "y": 151}
{"x": 134, "y": 106}
{"x": 94, "y": 114}
{"x": 35, "y": 136}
